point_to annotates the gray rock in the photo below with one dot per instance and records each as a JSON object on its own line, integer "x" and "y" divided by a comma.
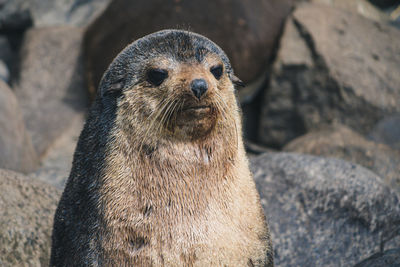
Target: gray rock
{"x": 66, "y": 12}
{"x": 338, "y": 141}
{"x": 384, "y": 3}
{"x": 16, "y": 149}
{"x": 6, "y": 54}
{"x": 14, "y": 16}
{"x": 26, "y": 220}
{"x": 325, "y": 212}
{"x": 51, "y": 87}
{"x": 342, "y": 70}
{"x": 57, "y": 163}
{"x": 387, "y": 131}
{"x": 20, "y": 14}
{"x": 246, "y": 32}
{"x": 362, "y": 7}
{"x": 4, "y": 72}
{"x": 389, "y": 258}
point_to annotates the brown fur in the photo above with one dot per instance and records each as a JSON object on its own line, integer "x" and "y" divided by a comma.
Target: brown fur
{"x": 174, "y": 187}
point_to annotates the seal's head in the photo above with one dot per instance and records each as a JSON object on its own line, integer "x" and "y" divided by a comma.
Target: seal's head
{"x": 177, "y": 84}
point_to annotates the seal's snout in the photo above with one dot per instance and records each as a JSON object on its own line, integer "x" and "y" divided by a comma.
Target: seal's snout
{"x": 199, "y": 87}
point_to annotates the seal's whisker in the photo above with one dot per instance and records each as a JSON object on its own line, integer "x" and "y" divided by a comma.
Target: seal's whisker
{"x": 166, "y": 112}
{"x": 165, "y": 119}
{"x": 179, "y": 109}
{"x": 154, "y": 116}
{"x": 228, "y": 116}
{"x": 174, "y": 111}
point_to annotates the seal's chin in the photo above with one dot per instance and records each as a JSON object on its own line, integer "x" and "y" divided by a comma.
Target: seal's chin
{"x": 195, "y": 121}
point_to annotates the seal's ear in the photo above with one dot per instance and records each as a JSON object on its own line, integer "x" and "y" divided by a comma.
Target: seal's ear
{"x": 236, "y": 81}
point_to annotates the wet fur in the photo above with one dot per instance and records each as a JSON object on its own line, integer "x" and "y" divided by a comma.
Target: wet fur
{"x": 155, "y": 184}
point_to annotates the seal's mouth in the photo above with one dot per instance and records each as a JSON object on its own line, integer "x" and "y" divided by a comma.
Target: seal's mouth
{"x": 199, "y": 108}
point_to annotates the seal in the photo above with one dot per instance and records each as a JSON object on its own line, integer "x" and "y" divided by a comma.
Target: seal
{"x": 160, "y": 175}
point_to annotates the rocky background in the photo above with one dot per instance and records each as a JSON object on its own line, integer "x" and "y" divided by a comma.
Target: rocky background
{"x": 323, "y": 79}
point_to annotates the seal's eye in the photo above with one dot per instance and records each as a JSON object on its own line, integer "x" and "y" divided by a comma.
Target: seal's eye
{"x": 156, "y": 76}
{"x": 217, "y": 71}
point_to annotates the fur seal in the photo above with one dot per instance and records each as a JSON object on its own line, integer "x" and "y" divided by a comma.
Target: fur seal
{"x": 160, "y": 176}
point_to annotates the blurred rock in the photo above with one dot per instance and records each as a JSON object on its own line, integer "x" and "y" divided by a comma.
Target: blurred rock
{"x": 325, "y": 212}
{"x": 256, "y": 149}
{"x": 4, "y": 72}
{"x": 247, "y": 32}
{"x": 390, "y": 258}
{"x": 6, "y": 54}
{"x": 20, "y": 14}
{"x": 341, "y": 142}
{"x": 343, "y": 70}
{"x": 26, "y": 220}
{"x": 51, "y": 87}
{"x": 66, "y": 12}
{"x": 384, "y": 3}
{"x": 14, "y": 16}
{"x": 362, "y": 7}
{"x": 56, "y": 164}
{"x": 16, "y": 150}
{"x": 387, "y": 131}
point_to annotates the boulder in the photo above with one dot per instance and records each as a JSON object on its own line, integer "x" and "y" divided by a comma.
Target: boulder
{"x": 20, "y": 14}
{"x": 26, "y": 220}
{"x": 16, "y": 149}
{"x": 4, "y": 72}
{"x": 338, "y": 141}
{"x": 387, "y": 131}
{"x": 384, "y": 3}
{"x": 65, "y": 12}
{"x": 14, "y": 16}
{"x": 332, "y": 66}
{"x": 50, "y": 86}
{"x": 389, "y": 258}
{"x": 247, "y": 32}
{"x": 57, "y": 163}
{"x": 325, "y": 212}
{"x": 6, "y": 53}
{"x": 362, "y": 7}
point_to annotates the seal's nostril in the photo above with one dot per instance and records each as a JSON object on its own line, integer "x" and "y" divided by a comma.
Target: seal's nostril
{"x": 199, "y": 87}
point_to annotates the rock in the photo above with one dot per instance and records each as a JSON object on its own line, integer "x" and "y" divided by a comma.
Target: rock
{"x": 26, "y": 220}
{"x": 14, "y": 16}
{"x": 4, "y": 72}
{"x": 325, "y": 212}
{"x": 362, "y": 7}
{"x": 66, "y": 12}
{"x": 57, "y": 163}
{"x": 387, "y": 131}
{"x": 51, "y": 87}
{"x": 343, "y": 70}
{"x": 6, "y": 53}
{"x": 255, "y": 149}
{"x": 20, "y": 14}
{"x": 341, "y": 142}
{"x": 246, "y": 32}
{"x": 390, "y": 258}
{"x": 17, "y": 152}
{"x": 384, "y": 3}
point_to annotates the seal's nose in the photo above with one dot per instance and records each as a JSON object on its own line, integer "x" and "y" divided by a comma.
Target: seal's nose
{"x": 199, "y": 87}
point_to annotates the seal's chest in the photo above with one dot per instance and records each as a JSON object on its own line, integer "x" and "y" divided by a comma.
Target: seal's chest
{"x": 209, "y": 241}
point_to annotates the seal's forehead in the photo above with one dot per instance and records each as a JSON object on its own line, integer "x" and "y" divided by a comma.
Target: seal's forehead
{"x": 179, "y": 45}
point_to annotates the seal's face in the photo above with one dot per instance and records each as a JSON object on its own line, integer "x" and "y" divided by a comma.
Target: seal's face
{"x": 180, "y": 83}
{"x": 190, "y": 93}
